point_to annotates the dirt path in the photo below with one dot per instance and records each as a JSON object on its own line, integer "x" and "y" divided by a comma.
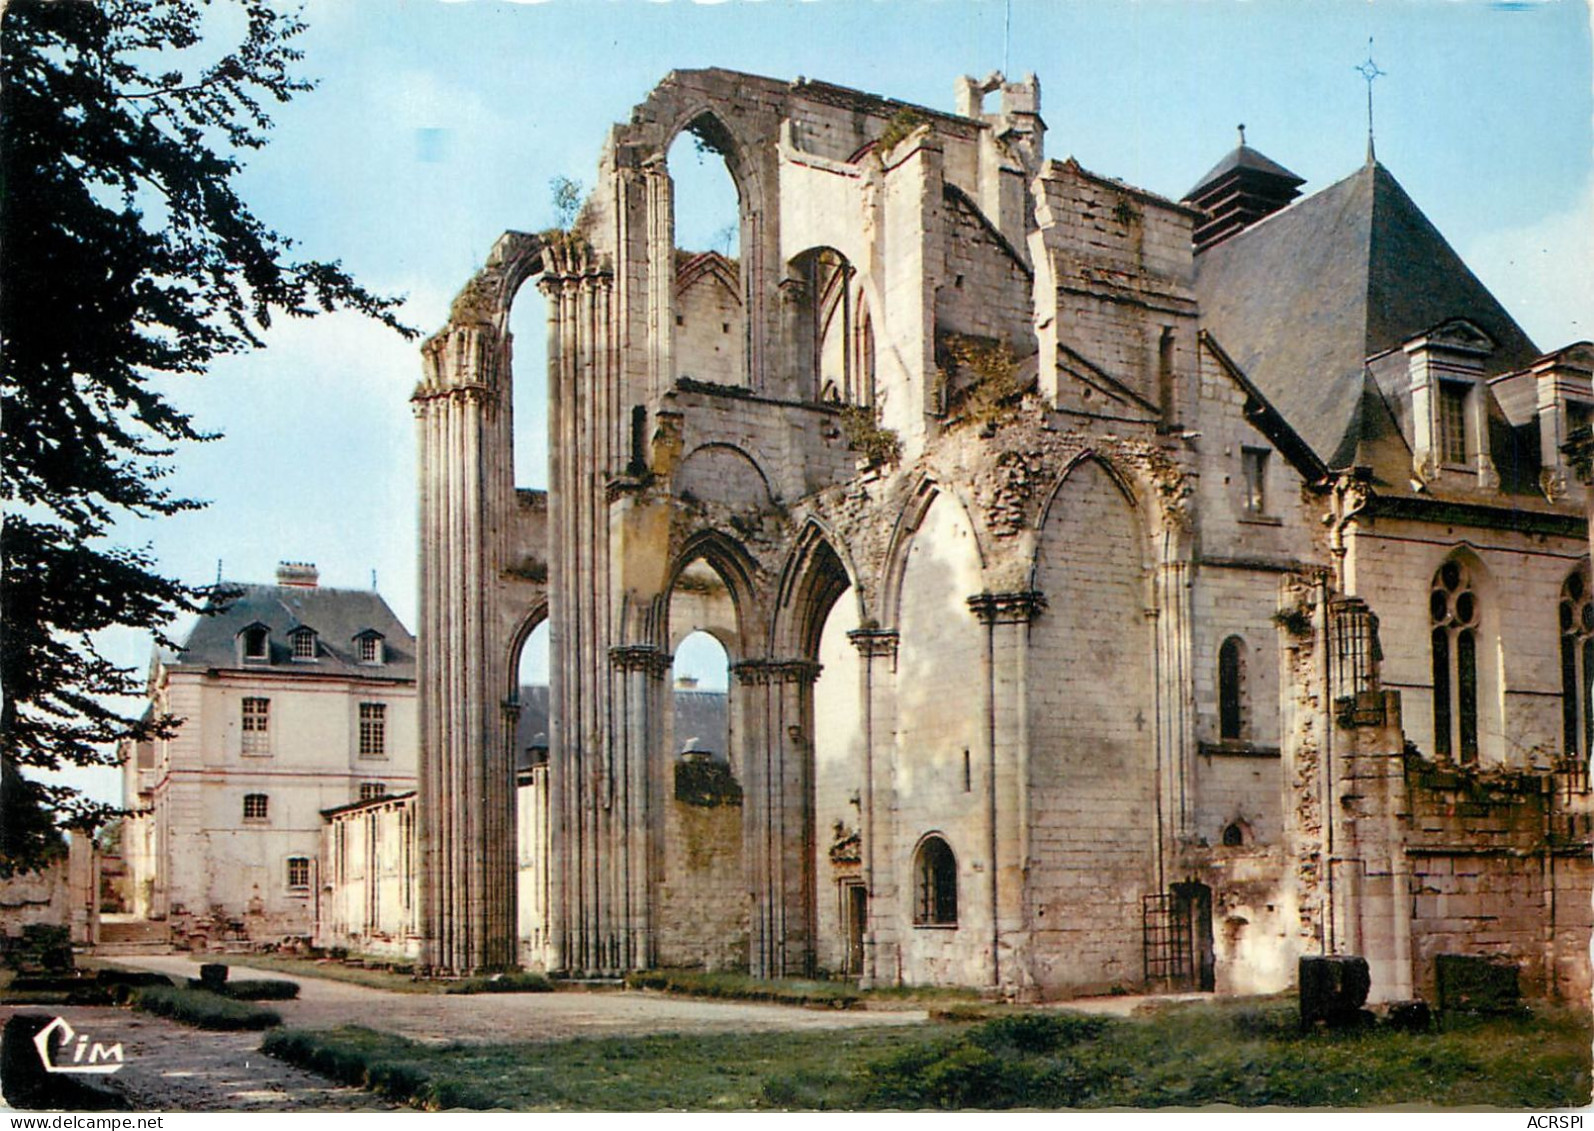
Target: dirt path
{"x": 498, "y": 1018}
{"x": 171, "y": 1067}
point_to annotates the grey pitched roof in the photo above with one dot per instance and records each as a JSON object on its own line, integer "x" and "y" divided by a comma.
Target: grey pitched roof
{"x": 336, "y": 615}
{"x": 1243, "y": 157}
{"x": 698, "y": 714}
{"x": 1303, "y": 298}
{"x": 532, "y": 728}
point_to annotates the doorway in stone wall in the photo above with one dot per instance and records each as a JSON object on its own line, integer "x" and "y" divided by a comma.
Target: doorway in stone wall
{"x": 1177, "y": 939}
{"x": 854, "y": 918}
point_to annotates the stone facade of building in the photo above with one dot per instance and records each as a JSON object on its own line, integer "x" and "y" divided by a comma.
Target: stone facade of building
{"x": 293, "y": 699}
{"x": 1119, "y": 591}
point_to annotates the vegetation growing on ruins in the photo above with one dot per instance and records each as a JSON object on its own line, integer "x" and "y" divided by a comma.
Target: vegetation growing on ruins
{"x": 130, "y": 259}
{"x": 1247, "y": 1052}
{"x": 981, "y": 375}
{"x": 902, "y": 123}
{"x": 880, "y": 446}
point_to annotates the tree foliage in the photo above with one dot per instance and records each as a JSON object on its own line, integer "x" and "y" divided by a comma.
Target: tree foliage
{"x": 130, "y": 259}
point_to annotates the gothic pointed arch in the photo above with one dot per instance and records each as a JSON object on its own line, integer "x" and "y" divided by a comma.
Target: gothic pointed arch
{"x": 815, "y": 577}
{"x": 1463, "y": 625}
{"x": 1093, "y": 742}
{"x": 735, "y": 567}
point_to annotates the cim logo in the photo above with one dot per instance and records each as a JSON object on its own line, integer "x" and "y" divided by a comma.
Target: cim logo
{"x": 95, "y": 1058}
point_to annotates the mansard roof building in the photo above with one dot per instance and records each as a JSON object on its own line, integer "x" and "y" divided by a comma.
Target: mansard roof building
{"x": 1120, "y": 592}
{"x": 291, "y": 699}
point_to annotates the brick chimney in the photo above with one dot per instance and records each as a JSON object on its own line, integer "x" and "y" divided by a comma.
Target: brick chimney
{"x": 298, "y": 575}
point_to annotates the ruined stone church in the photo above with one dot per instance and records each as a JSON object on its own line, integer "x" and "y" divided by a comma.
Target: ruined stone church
{"x": 1119, "y": 592}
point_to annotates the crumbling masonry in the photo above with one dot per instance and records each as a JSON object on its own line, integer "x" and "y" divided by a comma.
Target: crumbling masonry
{"x": 1119, "y": 592}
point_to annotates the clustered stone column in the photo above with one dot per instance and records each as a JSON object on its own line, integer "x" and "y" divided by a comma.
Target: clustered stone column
{"x": 777, "y": 698}
{"x": 639, "y": 698}
{"x": 877, "y": 691}
{"x": 1007, "y": 617}
{"x": 467, "y": 777}
{"x": 597, "y": 859}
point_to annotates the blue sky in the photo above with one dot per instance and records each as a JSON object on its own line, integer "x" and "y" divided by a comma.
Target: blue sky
{"x": 437, "y": 126}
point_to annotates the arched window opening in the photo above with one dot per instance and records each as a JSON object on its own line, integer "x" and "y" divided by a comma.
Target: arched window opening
{"x": 528, "y": 364}
{"x": 1577, "y": 664}
{"x": 1233, "y": 835}
{"x": 707, "y": 205}
{"x": 935, "y": 884}
{"x": 710, "y": 322}
{"x": 1231, "y": 689}
{"x": 1167, "y": 401}
{"x": 865, "y": 380}
{"x": 825, "y": 327}
{"x": 1454, "y": 611}
{"x": 533, "y": 727}
{"x": 700, "y": 709}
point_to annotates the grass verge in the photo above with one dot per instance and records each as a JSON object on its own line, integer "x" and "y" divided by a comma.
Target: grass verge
{"x": 1246, "y": 1053}
{"x": 203, "y": 1009}
{"x": 740, "y": 987}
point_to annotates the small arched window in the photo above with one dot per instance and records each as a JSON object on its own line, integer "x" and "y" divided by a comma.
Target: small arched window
{"x": 1233, "y": 835}
{"x": 1231, "y": 689}
{"x": 1453, "y": 609}
{"x": 1577, "y": 664}
{"x": 935, "y": 884}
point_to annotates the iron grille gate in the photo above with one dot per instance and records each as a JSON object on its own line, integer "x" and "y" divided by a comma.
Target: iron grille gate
{"x": 1165, "y": 939}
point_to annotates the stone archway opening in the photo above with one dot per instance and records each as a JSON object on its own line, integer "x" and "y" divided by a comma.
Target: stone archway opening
{"x": 702, "y": 889}
{"x": 532, "y": 841}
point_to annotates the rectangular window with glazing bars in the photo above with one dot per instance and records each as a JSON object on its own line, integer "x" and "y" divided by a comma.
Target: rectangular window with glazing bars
{"x": 373, "y": 730}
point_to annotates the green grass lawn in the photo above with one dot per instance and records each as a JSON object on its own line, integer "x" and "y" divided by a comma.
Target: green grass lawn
{"x": 1238, "y": 1052}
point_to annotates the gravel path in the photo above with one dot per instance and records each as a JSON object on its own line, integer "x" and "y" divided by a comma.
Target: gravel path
{"x": 499, "y": 1018}
{"x": 172, "y": 1067}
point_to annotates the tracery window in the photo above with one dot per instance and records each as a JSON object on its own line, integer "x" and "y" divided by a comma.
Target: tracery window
{"x": 1454, "y": 610}
{"x": 935, "y": 889}
{"x": 1577, "y": 664}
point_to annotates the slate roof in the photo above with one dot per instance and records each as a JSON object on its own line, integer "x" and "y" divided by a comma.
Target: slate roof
{"x": 532, "y": 729}
{"x": 336, "y": 615}
{"x": 1302, "y": 299}
{"x": 698, "y": 714}
{"x": 1243, "y": 157}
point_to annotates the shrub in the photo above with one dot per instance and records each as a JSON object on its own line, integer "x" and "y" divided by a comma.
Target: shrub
{"x": 203, "y": 1009}
{"x": 258, "y": 989}
{"x": 524, "y": 982}
{"x": 865, "y": 434}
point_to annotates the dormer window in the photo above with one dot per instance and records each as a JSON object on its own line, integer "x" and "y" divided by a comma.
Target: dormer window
{"x": 255, "y": 643}
{"x": 1453, "y": 422}
{"x": 368, "y": 647}
{"x": 304, "y": 647}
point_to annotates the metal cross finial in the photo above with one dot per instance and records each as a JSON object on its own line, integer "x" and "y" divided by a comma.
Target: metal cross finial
{"x": 1242, "y": 135}
{"x": 1369, "y": 71}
